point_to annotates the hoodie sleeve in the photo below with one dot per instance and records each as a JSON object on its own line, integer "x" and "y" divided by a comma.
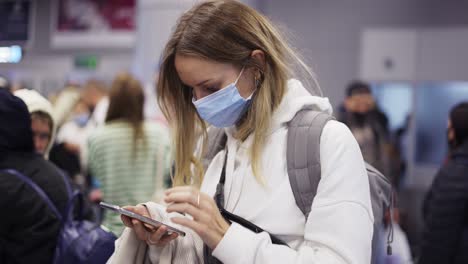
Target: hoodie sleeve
{"x": 340, "y": 226}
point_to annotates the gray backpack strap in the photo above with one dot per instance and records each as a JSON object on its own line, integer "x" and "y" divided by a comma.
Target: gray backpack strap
{"x": 303, "y": 155}
{"x": 217, "y": 139}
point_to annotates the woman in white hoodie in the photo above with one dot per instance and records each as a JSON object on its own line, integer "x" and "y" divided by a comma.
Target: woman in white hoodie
{"x": 227, "y": 66}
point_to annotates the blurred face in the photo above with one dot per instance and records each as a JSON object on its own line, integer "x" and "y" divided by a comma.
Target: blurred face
{"x": 205, "y": 77}
{"x": 360, "y": 103}
{"x": 41, "y": 134}
{"x": 88, "y": 97}
{"x": 91, "y": 95}
{"x": 81, "y": 108}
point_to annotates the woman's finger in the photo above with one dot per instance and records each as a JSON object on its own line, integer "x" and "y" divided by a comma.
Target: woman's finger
{"x": 139, "y": 209}
{"x": 180, "y": 189}
{"x": 195, "y": 226}
{"x": 139, "y": 229}
{"x": 127, "y": 221}
{"x": 158, "y": 234}
{"x": 131, "y": 222}
{"x": 186, "y": 208}
{"x": 184, "y": 197}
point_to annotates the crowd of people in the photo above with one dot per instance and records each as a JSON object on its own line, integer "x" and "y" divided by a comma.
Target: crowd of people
{"x": 240, "y": 196}
{"x": 103, "y": 144}
{"x": 445, "y": 209}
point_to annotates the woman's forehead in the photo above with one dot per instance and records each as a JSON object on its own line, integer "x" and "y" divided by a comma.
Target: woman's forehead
{"x": 193, "y": 70}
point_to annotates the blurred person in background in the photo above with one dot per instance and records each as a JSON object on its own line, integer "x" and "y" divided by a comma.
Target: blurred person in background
{"x": 28, "y": 227}
{"x": 42, "y": 120}
{"x": 71, "y": 138}
{"x": 445, "y": 237}
{"x": 368, "y": 124}
{"x": 95, "y": 96}
{"x": 65, "y": 103}
{"x": 127, "y": 155}
{"x": 44, "y": 131}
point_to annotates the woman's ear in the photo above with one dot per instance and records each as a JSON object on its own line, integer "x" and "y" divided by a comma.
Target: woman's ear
{"x": 259, "y": 57}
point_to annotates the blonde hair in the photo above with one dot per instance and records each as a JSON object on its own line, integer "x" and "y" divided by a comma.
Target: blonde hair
{"x": 224, "y": 31}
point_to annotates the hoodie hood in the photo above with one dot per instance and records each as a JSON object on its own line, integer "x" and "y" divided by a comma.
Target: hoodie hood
{"x": 15, "y": 128}
{"x": 36, "y": 102}
{"x": 296, "y": 98}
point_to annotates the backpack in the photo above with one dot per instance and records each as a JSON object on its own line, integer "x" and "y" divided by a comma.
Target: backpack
{"x": 304, "y": 170}
{"x": 79, "y": 240}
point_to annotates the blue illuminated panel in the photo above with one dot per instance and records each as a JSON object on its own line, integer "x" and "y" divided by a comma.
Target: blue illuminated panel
{"x": 11, "y": 54}
{"x": 433, "y": 105}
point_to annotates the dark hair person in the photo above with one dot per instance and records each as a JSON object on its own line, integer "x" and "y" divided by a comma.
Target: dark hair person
{"x": 445, "y": 236}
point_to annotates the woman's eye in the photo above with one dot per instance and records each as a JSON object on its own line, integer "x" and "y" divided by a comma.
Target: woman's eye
{"x": 211, "y": 89}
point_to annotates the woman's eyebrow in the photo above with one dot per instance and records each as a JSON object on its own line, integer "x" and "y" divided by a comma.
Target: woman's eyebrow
{"x": 203, "y": 82}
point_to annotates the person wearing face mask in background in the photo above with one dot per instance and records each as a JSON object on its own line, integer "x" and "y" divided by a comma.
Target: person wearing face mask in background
{"x": 227, "y": 66}
{"x": 368, "y": 124}
{"x": 71, "y": 138}
{"x": 445, "y": 236}
{"x": 95, "y": 96}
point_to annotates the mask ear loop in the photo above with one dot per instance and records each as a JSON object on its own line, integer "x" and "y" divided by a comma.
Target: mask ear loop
{"x": 240, "y": 74}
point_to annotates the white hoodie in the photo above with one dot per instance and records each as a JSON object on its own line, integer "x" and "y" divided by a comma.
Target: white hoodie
{"x": 340, "y": 226}
{"x": 36, "y": 102}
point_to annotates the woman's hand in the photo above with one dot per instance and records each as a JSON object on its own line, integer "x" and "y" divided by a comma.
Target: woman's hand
{"x": 207, "y": 220}
{"x": 152, "y": 235}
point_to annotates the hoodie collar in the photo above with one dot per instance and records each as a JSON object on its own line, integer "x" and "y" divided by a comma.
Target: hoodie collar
{"x": 296, "y": 98}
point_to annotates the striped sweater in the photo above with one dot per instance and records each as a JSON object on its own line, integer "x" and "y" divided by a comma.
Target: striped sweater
{"x": 128, "y": 177}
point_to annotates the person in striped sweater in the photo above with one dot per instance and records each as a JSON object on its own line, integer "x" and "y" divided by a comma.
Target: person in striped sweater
{"x": 128, "y": 156}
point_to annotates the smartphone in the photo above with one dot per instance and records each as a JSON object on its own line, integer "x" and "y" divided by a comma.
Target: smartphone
{"x": 142, "y": 218}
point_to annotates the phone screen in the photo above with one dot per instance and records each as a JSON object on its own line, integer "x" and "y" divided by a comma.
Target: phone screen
{"x": 142, "y": 218}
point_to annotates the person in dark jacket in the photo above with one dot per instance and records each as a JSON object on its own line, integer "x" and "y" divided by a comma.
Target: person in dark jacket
{"x": 28, "y": 227}
{"x": 368, "y": 124}
{"x": 445, "y": 237}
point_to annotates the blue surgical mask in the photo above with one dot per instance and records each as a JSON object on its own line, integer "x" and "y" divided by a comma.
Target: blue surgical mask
{"x": 81, "y": 120}
{"x": 224, "y": 107}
